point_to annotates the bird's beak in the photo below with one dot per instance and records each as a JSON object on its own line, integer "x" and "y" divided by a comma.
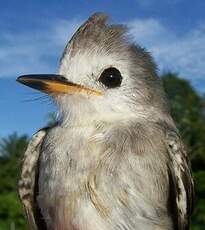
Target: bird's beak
{"x": 54, "y": 84}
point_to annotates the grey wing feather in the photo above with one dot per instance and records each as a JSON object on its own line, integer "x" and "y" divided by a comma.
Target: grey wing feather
{"x": 28, "y": 180}
{"x": 181, "y": 182}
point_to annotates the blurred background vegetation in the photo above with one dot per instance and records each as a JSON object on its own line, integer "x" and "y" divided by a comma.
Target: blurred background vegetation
{"x": 188, "y": 110}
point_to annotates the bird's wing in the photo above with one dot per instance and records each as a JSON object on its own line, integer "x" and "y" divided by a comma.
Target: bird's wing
{"x": 181, "y": 182}
{"x": 27, "y": 185}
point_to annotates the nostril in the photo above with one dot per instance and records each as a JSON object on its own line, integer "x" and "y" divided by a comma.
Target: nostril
{"x": 61, "y": 77}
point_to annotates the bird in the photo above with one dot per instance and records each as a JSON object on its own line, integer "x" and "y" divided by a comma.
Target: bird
{"x": 114, "y": 159}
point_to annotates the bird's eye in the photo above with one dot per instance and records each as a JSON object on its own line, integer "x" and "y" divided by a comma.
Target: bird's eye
{"x": 111, "y": 77}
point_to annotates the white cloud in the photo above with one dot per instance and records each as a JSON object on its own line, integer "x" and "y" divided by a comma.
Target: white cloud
{"x": 184, "y": 54}
{"x": 39, "y": 51}
{"x": 32, "y": 51}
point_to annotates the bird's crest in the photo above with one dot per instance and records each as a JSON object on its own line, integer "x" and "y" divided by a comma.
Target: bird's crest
{"x": 95, "y": 32}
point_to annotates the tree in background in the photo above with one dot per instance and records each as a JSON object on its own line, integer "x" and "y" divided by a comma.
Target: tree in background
{"x": 187, "y": 109}
{"x": 11, "y": 149}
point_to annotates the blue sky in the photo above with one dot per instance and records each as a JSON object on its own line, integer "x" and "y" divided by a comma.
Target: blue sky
{"x": 34, "y": 33}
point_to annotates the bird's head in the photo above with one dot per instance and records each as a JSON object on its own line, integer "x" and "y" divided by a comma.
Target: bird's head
{"x": 103, "y": 77}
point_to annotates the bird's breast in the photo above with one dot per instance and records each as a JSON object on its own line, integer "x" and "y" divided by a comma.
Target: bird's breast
{"x": 90, "y": 184}
{"x": 68, "y": 159}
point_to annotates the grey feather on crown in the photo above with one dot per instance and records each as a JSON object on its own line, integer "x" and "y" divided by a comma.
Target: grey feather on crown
{"x": 96, "y": 32}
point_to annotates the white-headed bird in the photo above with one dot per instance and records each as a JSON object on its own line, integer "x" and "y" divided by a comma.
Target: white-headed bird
{"x": 114, "y": 160}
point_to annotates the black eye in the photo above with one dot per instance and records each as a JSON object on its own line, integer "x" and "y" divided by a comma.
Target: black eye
{"x": 111, "y": 77}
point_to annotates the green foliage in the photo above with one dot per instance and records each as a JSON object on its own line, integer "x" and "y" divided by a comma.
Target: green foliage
{"x": 187, "y": 109}
{"x": 198, "y": 219}
{"x": 11, "y": 211}
{"x": 11, "y": 150}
